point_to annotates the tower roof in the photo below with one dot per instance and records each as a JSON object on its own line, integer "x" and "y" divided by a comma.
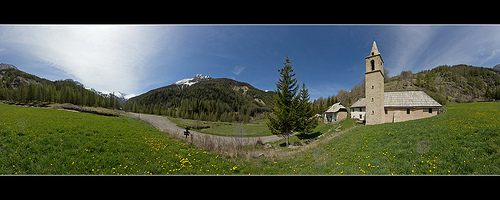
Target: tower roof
{"x": 374, "y": 50}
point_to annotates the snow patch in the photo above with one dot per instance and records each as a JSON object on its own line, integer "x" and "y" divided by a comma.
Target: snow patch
{"x": 192, "y": 81}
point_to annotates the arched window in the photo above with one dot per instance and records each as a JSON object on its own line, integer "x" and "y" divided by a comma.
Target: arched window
{"x": 373, "y": 64}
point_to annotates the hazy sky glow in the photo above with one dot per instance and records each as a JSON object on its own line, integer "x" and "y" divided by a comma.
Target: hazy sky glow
{"x": 136, "y": 58}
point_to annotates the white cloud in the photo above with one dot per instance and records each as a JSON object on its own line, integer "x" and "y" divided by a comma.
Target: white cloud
{"x": 104, "y": 57}
{"x": 425, "y": 47}
{"x": 238, "y": 69}
{"x": 408, "y": 44}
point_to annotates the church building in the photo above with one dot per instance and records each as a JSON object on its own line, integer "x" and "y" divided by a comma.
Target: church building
{"x": 380, "y": 107}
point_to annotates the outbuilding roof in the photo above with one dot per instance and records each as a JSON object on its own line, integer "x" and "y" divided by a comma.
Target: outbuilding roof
{"x": 403, "y": 99}
{"x": 335, "y": 108}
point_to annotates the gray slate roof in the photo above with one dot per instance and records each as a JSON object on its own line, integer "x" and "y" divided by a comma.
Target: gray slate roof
{"x": 335, "y": 108}
{"x": 403, "y": 99}
{"x": 359, "y": 104}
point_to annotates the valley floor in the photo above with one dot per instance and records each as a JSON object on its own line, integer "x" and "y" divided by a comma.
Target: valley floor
{"x": 464, "y": 140}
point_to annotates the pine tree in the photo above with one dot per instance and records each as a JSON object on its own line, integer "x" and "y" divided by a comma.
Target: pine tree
{"x": 306, "y": 122}
{"x": 134, "y": 107}
{"x": 285, "y": 117}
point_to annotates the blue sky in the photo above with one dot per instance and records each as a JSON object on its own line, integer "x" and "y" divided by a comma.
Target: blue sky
{"x": 137, "y": 58}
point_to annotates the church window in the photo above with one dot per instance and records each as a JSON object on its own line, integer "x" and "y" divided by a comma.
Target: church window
{"x": 407, "y": 111}
{"x": 373, "y": 53}
{"x": 386, "y": 111}
{"x": 430, "y": 110}
{"x": 373, "y": 112}
{"x": 372, "y": 86}
{"x": 373, "y": 64}
{"x": 372, "y": 99}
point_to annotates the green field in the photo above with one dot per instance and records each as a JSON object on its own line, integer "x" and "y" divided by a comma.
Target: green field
{"x": 255, "y": 129}
{"x": 45, "y": 141}
{"x": 464, "y": 140}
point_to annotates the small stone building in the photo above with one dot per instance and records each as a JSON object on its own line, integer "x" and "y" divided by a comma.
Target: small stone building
{"x": 335, "y": 113}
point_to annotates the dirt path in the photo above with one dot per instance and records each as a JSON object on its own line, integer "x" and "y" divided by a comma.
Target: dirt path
{"x": 202, "y": 140}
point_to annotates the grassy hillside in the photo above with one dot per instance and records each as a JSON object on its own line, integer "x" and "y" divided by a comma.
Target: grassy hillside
{"x": 464, "y": 140}
{"x": 45, "y": 141}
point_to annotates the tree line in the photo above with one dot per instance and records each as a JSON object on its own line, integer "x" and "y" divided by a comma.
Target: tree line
{"x": 18, "y": 86}
{"x": 209, "y": 100}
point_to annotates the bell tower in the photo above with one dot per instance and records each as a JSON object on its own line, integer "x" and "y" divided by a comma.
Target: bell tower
{"x": 374, "y": 87}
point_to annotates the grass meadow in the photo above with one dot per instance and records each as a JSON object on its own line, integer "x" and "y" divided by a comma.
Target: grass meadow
{"x": 464, "y": 140}
{"x": 46, "y": 141}
{"x": 254, "y": 129}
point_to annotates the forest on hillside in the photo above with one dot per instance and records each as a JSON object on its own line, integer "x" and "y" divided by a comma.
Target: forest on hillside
{"x": 458, "y": 83}
{"x": 19, "y": 86}
{"x": 219, "y": 99}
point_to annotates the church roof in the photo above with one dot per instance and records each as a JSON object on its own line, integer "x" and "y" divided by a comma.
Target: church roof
{"x": 403, "y": 99}
{"x": 374, "y": 50}
{"x": 335, "y": 108}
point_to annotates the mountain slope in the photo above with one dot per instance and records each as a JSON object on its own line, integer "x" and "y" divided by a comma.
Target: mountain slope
{"x": 220, "y": 99}
{"x": 19, "y": 86}
{"x": 458, "y": 83}
{"x": 190, "y": 81}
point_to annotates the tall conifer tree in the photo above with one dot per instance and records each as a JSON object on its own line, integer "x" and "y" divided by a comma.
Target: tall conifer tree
{"x": 306, "y": 121}
{"x": 285, "y": 116}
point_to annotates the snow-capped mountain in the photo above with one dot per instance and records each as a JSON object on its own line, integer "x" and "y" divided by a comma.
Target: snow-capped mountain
{"x": 122, "y": 97}
{"x": 191, "y": 81}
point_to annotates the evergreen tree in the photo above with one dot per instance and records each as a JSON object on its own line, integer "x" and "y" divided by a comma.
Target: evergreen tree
{"x": 285, "y": 117}
{"x": 306, "y": 122}
{"x": 134, "y": 107}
